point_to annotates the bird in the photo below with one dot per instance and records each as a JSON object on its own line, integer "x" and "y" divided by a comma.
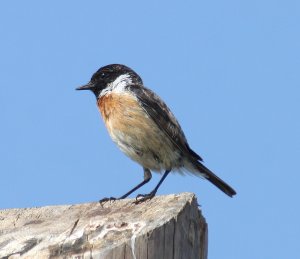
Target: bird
{"x": 145, "y": 129}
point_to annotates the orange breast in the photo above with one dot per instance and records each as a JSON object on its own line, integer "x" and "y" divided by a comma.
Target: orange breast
{"x": 136, "y": 133}
{"x": 121, "y": 111}
{"x": 107, "y": 104}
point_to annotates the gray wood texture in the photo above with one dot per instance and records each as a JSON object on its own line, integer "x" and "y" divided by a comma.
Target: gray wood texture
{"x": 165, "y": 227}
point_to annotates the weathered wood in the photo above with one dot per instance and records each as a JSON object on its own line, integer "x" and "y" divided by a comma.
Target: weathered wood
{"x": 165, "y": 227}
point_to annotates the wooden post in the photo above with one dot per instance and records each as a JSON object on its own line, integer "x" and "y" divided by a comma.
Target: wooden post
{"x": 165, "y": 227}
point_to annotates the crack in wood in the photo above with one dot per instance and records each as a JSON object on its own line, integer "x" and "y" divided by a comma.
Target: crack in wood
{"x": 74, "y": 226}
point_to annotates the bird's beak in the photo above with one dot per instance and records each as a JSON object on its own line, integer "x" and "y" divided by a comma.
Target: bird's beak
{"x": 88, "y": 86}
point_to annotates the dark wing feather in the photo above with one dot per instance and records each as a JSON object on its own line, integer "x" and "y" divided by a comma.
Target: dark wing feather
{"x": 166, "y": 121}
{"x": 163, "y": 117}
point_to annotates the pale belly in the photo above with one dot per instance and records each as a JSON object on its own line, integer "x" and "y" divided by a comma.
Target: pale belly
{"x": 137, "y": 135}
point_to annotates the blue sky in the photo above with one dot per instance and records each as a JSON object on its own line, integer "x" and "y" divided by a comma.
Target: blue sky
{"x": 229, "y": 70}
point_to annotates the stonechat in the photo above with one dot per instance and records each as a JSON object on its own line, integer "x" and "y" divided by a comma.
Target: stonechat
{"x": 144, "y": 128}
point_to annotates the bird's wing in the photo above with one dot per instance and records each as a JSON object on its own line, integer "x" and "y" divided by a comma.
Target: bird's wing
{"x": 159, "y": 112}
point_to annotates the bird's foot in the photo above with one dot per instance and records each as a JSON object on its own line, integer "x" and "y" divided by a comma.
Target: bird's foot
{"x": 144, "y": 197}
{"x": 106, "y": 199}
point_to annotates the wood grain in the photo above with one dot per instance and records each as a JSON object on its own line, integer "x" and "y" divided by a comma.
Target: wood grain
{"x": 165, "y": 227}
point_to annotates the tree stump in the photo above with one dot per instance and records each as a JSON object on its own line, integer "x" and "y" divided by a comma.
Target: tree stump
{"x": 165, "y": 227}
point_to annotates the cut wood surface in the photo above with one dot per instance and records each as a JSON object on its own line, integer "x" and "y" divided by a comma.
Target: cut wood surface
{"x": 165, "y": 227}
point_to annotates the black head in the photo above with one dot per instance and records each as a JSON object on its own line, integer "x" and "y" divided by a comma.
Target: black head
{"x": 106, "y": 76}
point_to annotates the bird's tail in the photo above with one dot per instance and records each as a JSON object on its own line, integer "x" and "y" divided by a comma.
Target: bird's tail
{"x": 210, "y": 176}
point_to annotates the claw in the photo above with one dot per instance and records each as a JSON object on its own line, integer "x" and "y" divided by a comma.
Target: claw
{"x": 144, "y": 197}
{"x": 104, "y": 200}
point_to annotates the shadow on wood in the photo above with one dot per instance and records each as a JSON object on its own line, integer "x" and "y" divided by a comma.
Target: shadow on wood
{"x": 165, "y": 227}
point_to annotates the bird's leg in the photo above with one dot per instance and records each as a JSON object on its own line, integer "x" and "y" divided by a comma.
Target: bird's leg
{"x": 147, "y": 178}
{"x": 143, "y": 197}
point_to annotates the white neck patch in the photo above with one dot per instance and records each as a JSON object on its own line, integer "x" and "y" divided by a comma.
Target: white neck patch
{"x": 118, "y": 85}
